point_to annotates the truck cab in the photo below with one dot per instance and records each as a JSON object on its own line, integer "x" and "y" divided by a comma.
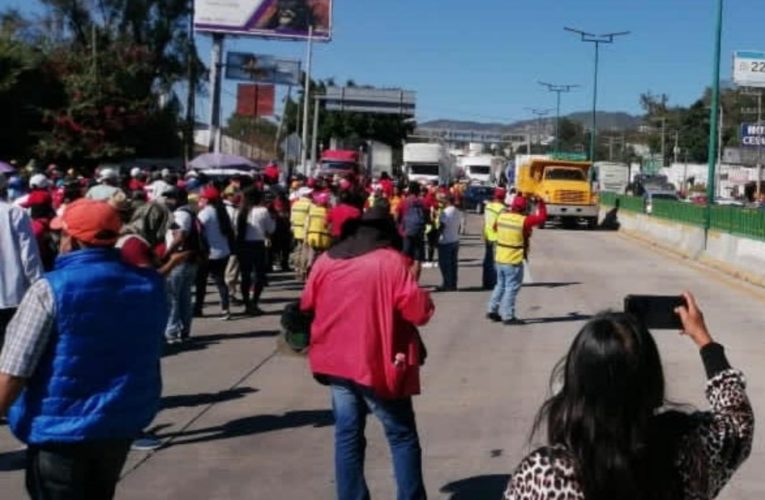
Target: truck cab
{"x": 427, "y": 163}
{"x": 339, "y": 162}
{"x": 563, "y": 185}
{"x": 478, "y": 169}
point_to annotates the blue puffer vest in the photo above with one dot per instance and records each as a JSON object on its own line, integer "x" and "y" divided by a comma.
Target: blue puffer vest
{"x": 99, "y": 377}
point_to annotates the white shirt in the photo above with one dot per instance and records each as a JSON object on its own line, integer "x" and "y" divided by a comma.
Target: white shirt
{"x": 102, "y": 192}
{"x": 21, "y": 264}
{"x": 450, "y": 225}
{"x": 184, "y": 222}
{"x": 158, "y": 187}
{"x": 219, "y": 247}
{"x": 259, "y": 224}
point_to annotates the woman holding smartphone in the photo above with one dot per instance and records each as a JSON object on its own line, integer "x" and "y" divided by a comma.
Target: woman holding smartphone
{"x": 608, "y": 431}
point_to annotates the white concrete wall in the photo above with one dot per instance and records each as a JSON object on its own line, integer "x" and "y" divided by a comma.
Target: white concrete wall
{"x": 736, "y": 255}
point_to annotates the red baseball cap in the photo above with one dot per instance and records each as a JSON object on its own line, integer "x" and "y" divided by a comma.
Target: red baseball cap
{"x": 519, "y": 204}
{"x": 500, "y": 193}
{"x": 37, "y": 198}
{"x": 210, "y": 193}
{"x": 93, "y": 222}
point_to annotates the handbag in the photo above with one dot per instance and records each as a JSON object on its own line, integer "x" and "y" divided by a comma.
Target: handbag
{"x": 296, "y": 327}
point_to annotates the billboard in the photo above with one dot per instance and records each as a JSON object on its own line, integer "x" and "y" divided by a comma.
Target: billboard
{"x": 370, "y": 100}
{"x": 255, "y": 100}
{"x": 262, "y": 69}
{"x": 749, "y": 68}
{"x": 752, "y": 135}
{"x": 265, "y": 18}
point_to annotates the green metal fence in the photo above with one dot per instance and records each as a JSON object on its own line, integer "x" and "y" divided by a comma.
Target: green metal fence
{"x": 744, "y": 222}
{"x": 687, "y": 213}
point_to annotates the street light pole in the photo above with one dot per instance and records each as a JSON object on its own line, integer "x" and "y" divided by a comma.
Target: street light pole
{"x": 539, "y": 113}
{"x": 714, "y": 117}
{"x": 558, "y": 89}
{"x": 596, "y": 40}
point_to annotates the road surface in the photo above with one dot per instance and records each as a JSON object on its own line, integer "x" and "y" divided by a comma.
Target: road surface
{"x": 242, "y": 420}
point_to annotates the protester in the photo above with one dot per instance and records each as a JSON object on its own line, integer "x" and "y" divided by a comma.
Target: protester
{"x": 340, "y": 214}
{"x": 490, "y": 215}
{"x": 185, "y": 234}
{"x": 365, "y": 346}
{"x": 161, "y": 182}
{"x": 40, "y": 206}
{"x": 281, "y": 240}
{"x": 219, "y": 233}
{"x": 21, "y": 264}
{"x": 450, "y": 222}
{"x": 513, "y": 235}
{"x": 137, "y": 180}
{"x": 81, "y": 396}
{"x": 317, "y": 233}
{"x": 298, "y": 217}
{"x": 433, "y": 206}
{"x": 231, "y": 199}
{"x": 38, "y": 182}
{"x": 254, "y": 226}
{"x": 412, "y": 219}
{"x": 107, "y": 187}
{"x": 607, "y": 437}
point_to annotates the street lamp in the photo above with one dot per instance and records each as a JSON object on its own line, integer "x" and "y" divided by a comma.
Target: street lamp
{"x": 714, "y": 118}
{"x": 558, "y": 89}
{"x": 597, "y": 40}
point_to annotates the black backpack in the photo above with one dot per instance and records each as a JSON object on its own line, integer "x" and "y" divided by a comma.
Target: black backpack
{"x": 414, "y": 220}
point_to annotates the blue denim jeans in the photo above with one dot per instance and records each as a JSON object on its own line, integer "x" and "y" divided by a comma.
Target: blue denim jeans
{"x": 489, "y": 275}
{"x": 448, "y": 262}
{"x": 179, "y": 283}
{"x": 509, "y": 281}
{"x": 350, "y": 407}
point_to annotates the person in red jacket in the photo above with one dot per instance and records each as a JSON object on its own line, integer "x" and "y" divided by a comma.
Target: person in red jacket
{"x": 366, "y": 347}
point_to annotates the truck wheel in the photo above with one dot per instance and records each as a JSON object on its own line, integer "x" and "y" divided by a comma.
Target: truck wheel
{"x": 592, "y": 222}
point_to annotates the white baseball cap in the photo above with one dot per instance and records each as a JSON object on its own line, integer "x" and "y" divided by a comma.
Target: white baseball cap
{"x": 39, "y": 181}
{"x": 108, "y": 174}
{"x": 135, "y": 172}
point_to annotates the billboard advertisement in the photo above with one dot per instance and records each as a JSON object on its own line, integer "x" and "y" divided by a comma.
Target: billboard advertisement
{"x": 371, "y": 100}
{"x": 255, "y": 100}
{"x": 265, "y": 18}
{"x": 262, "y": 69}
{"x": 749, "y": 68}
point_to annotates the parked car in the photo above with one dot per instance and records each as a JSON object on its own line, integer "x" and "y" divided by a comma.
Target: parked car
{"x": 650, "y": 196}
{"x": 476, "y": 197}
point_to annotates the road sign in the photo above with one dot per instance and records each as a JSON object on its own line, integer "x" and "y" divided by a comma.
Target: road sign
{"x": 262, "y": 69}
{"x": 752, "y": 135}
{"x": 255, "y": 100}
{"x": 749, "y": 68}
{"x": 562, "y": 156}
{"x": 370, "y": 100}
{"x": 265, "y": 18}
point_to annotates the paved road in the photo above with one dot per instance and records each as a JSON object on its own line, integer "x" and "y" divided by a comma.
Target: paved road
{"x": 244, "y": 421}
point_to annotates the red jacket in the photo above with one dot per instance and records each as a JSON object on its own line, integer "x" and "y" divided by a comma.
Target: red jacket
{"x": 366, "y": 309}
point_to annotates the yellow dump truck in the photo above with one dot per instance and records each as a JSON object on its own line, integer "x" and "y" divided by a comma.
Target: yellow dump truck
{"x": 563, "y": 185}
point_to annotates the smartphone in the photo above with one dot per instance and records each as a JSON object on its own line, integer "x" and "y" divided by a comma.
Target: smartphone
{"x": 657, "y": 312}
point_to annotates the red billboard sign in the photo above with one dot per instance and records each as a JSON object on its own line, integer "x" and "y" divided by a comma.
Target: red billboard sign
{"x": 255, "y": 100}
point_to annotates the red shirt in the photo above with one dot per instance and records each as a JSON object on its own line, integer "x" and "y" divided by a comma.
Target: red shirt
{"x": 136, "y": 185}
{"x": 366, "y": 309}
{"x": 135, "y": 251}
{"x": 387, "y": 187}
{"x": 340, "y": 215}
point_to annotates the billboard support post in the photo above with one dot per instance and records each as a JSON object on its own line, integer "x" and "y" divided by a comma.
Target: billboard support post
{"x": 215, "y": 85}
{"x": 315, "y": 133}
{"x": 759, "y": 145}
{"x": 306, "y": 103}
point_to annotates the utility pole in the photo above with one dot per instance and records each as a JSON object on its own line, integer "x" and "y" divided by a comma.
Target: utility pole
{"x": 191, "y": 69}
{"x": 713, "y": 117}
{"x": 607, "y": 38}
{"x": 663, "y": 141}
{"x": 676, "y": 149}
{"x": 307, "y": 103}
{"x": 215, "y": 85}
{"x": 558, "y": 89}
{"x": 539, "y": 113}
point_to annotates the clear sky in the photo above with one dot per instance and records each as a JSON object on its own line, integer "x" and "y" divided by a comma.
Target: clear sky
{"x": 481, "y": 59}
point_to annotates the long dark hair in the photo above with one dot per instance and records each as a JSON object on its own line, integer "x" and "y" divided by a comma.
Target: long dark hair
{"x": 251, "y": 197}
{"x": 605, "y": 413}
{"x": 224, "y": 221}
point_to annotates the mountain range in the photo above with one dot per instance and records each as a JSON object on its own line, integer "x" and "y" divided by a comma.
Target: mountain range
{"x": 606, "y": 121}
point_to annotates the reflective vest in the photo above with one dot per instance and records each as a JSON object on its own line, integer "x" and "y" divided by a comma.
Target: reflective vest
{"x": 297, "y": 217}
{"x": 510, "y": 240}
{"x": 98, "y": 377}
{"x": 490, "y": 215}
{"x": 318, "y": 235}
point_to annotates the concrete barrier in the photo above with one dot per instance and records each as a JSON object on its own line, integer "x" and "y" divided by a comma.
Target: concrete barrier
{"x": 735, "y": 255}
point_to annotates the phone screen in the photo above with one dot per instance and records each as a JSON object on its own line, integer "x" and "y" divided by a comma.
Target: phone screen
{"x": 655, "y": 311}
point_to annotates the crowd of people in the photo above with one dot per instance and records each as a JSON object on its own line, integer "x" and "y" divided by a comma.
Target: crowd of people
{"x": 132, "y": 256}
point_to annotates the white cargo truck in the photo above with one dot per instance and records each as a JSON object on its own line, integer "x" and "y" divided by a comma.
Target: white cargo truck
{"x": 427, "y": 163}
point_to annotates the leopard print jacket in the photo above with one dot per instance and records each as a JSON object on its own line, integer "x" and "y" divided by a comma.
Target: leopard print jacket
{"x": 708, "y": 456}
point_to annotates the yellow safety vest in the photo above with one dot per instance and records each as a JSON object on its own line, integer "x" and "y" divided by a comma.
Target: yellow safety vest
{"x": 490, "y": 216}
{"x": 318, "y": 229}
{"x": 510, "y": 240}
{"x": 297, "y": 217}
